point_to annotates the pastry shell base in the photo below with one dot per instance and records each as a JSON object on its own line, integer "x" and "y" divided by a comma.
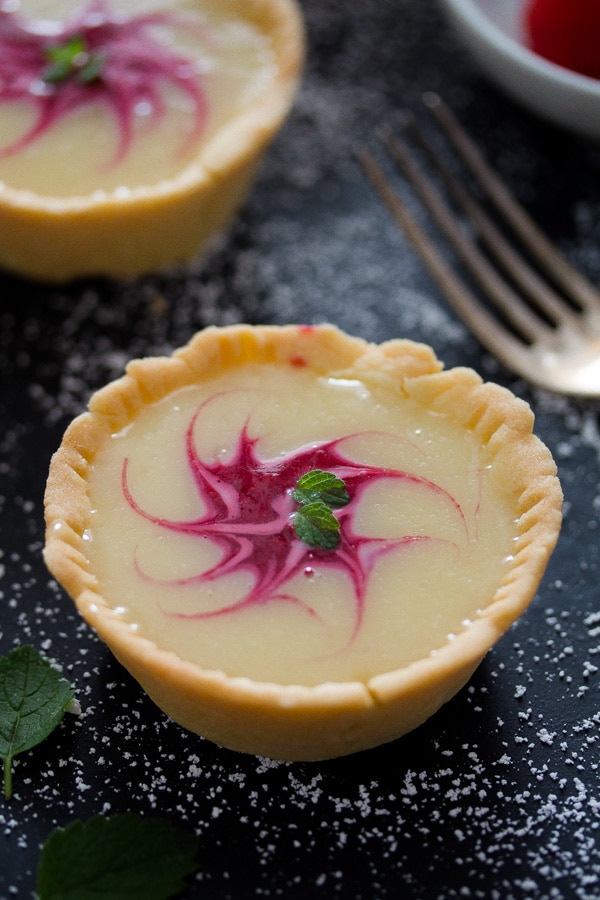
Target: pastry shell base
{"x": 295, "y": 722}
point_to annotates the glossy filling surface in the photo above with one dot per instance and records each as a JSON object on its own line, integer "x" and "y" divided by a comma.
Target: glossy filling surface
{"x": 197, "y": 69}
{"x": 192, "y": 538}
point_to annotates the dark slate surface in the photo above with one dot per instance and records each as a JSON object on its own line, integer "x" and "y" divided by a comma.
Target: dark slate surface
{"x": 497, "y": 795}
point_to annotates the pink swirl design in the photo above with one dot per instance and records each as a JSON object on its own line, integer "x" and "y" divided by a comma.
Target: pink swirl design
{"x": 248, "y": 515}
{"x": 134, "y": 66}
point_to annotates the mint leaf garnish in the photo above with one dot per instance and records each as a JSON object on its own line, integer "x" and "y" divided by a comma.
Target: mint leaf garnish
{"x": 92, "y": 70}
{"x": 319, "y": 492}
{"x": 72, "y": 58}
{"x": 33, "y": 699}
{"x": 62, "y": 59}
{"x": 316, "y": 525}
{"x": 323, "y": 486}
{"x": 124, "y": 857}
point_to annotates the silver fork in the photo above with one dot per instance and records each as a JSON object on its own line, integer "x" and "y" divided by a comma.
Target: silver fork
{"x": 545, "y": 329}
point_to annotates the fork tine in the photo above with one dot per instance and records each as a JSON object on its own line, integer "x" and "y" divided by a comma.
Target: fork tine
{"x": 518, "y": 314}
{"x": 570, "y": 280}
{"x": 535, "y": 288}
{"x": 486, "y": 327}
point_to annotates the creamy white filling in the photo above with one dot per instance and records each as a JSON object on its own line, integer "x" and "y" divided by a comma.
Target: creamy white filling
{"x": 448, "y": 525}
{"x": 76, "y": 156}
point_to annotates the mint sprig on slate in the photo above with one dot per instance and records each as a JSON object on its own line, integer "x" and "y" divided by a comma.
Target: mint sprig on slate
{"x": 33, "y": 699}
{"x": 318, "y": 493}
{"x": 123, "y": 857}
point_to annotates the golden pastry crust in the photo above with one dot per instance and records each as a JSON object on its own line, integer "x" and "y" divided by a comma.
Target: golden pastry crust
{"x": 295, "y": 722}
{"x": 150, "y": 228}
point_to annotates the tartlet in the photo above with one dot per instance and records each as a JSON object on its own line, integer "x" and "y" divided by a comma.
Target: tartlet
{"x": 173, "y": 511}
{"x": 70, "y": 207}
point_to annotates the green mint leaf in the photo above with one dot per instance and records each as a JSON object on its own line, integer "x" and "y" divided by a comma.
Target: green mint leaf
{"x": 92, "y": 69}
{"x": 65, "y": 59}
{"x": 33, "y": 699}
{"x": 316, "y": 525}
{"x": 124, "y": 857}
{"x": 323, "y": 486}
{"x": 57, "y": 72}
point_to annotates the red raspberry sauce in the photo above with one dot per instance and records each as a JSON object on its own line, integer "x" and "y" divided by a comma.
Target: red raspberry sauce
{"x": 566, "y": 32}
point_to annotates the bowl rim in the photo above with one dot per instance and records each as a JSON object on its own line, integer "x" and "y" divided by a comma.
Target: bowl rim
{"x": 472, "y": 15}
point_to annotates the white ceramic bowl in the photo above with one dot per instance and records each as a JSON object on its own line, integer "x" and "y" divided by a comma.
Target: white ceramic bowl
{"x": 492, "y": 31}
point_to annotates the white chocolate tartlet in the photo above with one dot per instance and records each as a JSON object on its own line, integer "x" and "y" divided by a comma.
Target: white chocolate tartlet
{"x": 299, "y": 543}
{"x": 131, "y": 136}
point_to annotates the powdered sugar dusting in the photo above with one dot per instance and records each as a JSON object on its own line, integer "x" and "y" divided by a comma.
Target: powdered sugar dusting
{"x": 494, "y": 797}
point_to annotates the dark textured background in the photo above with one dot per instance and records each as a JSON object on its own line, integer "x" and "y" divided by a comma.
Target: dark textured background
{"x": 497, "y": 795}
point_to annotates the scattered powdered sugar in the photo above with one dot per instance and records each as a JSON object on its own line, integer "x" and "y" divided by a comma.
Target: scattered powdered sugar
{"x": 494, "y": 797}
